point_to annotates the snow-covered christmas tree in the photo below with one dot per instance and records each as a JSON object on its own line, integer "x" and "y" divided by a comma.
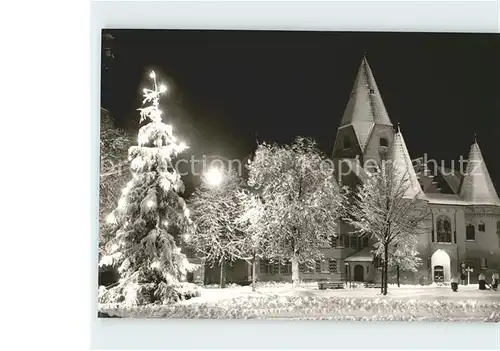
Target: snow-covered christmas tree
{"x": 151, "y": 217}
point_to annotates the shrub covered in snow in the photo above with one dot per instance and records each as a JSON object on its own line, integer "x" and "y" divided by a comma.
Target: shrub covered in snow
{"x": 319, "y": 307}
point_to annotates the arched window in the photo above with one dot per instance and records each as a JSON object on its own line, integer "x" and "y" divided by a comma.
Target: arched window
{"x": 384, "y": 142}
{"x": 443, "y": 229}
{"x": 470, "y": 232}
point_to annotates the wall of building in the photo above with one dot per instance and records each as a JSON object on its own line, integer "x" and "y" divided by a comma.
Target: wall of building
{"x": 483, "y": 253}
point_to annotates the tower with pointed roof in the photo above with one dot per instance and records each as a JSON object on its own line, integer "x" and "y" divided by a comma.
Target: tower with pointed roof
{"x": 464, "y": 226}
{"x": 477, "y": 187}
{"x": 365, "y": 129}
{"x": 404, "y": 167}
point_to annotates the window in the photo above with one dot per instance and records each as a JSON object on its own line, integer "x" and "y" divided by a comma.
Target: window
{"x": 318, "y": 266}
{"x": 443, "y": 229}
{"x": 307, "y": 267}
{"x": 286, "y": 268}
{"x": 324, "y": 266}
{"x": 347, "y": 143}
{"x": 481, "y": 227}
{"x": 470, "y": 232}
{"x": 264, "y": 266}
{"x": 377, "y": 262}
{"x": 275, "y": 268}
{"x": 333, "y": 241}
{"x": 484, "y": 263}
{"x": 353, "y": 242}
{"x": 341, "y": 240}
{"x": 438, "y": 274}
{"x": 365, "y": 241}
{"x": 267, "y": 267}
{"x": 384, "y": 142}
{"x": 498, "y": 232}
{"x": 332, "y": 265}
{"x": 303, "y": 268}
{"x": 190, "y": 253}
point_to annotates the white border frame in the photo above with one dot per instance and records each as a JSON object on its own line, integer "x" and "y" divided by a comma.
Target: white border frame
{"x": 448, "y": 16}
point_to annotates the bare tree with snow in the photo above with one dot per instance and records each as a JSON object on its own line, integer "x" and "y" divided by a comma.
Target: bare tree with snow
{"x": 252, "y": 221}
{"x": 215, "y": 207}
{"x": 301, "y": 200}
{"x": 404, "y": 257}
{"x": 386, "y": 207}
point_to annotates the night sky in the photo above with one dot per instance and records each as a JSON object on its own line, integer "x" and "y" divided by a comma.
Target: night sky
{"x": 230, "y": 88}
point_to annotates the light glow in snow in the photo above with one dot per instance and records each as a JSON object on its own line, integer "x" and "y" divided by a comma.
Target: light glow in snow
{"x": 213, "y": 177}
{"x": 111, "y": 219}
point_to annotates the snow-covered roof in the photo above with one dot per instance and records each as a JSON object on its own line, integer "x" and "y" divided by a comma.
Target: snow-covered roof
{"x": 477, "y": 187}
{"x": 445, "y": 199}
{"x": 364, "y": 255}
{"x": 365, "y": 107}
{"x": 404, "y": 166}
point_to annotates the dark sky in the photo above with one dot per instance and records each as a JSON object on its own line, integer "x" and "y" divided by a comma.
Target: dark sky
{"x": 231, "y": 87}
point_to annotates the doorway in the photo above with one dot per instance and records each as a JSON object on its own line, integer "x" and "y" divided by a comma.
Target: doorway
{"x": 359, "y": 273}
{"x": 441, "y": 266}
{"x": 438, "y": 274}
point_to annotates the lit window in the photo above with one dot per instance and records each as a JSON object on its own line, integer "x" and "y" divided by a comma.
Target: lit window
{"x": 470, "y": 232}
{"x": 333, "y": 241}
{"x": 332, "y": 265}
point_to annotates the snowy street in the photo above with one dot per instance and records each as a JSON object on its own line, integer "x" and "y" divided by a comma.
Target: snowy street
{"x": 280, "y": 301}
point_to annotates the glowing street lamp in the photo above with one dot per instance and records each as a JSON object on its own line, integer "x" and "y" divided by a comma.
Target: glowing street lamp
{"x": 213, "y": 177}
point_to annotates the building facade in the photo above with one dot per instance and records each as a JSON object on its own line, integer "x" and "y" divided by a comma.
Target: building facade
{"x": 464, "y": 226}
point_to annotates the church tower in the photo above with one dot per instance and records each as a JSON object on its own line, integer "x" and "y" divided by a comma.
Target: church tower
{"x": 477, "y": 187}
{"x": 366, "y": 129}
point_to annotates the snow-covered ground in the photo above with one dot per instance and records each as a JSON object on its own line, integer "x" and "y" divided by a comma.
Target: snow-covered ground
{"x": 282, "y": 301}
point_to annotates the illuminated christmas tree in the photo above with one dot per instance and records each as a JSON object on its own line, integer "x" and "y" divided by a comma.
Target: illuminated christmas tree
{"x": 151, "y": 218}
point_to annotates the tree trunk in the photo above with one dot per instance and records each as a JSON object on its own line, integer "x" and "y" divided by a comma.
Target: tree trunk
{"x": 386, "y": 265}
{"x": 222, "y": 274}
{"x": 295, "y": 270}
{"x": 382, "y": 277}
{"x": 397, "y": 274}
{"x": 254, "y": 263}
